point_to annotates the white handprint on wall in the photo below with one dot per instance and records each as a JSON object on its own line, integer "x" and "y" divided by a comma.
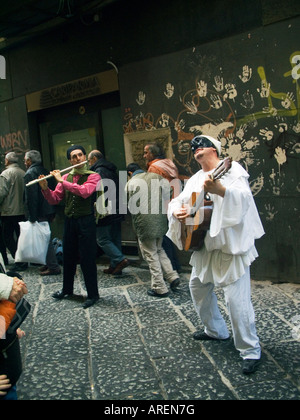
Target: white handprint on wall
{"x": 246, "y": 74}
{"x": 169, "y": 92}
{"x": 141, "y": 98}
{"x": 231, "y": 91}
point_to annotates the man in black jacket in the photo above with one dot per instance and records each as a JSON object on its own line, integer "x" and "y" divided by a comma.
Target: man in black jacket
{"x": 109, "y": 227}
{"x": 37, "y": 208}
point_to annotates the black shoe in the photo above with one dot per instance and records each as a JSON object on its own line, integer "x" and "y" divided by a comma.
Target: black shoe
{"x": 60, "y": 295}
{"x": 250, "y": 366}
{"x": 90, "y": 302}
{"x": 175, "y": 283}
{"x": 14, "y": 274}
{"x": 199, "y": 335}
{"x": 19, "y": 267}
{"x": 155, "y": 294}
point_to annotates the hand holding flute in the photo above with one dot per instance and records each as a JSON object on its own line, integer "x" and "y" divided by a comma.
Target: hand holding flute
{"x": 57, "y": 175}
{"x": 43, "y": 181}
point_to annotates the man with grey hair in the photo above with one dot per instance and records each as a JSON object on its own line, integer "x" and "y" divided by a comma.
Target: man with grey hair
{"x": 34, "y": 156}
{"x": 37, "y": 209}
{"x": 11, "y": 204}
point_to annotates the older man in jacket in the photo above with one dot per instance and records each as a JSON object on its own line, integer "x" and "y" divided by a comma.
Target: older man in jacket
{"x": 12, "y": 204}
{"x": 109, "y": 227}
{"x": 147, "y": 193}
{"x": 37, "y": 209}
{"x": 158, "y": 163}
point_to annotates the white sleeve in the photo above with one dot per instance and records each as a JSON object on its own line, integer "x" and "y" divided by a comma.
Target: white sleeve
{"x": 232, "y": 209}
{"x": 174, "y": 232}
{"x": 6, "y": 284}
{"x": 235, "y": 222}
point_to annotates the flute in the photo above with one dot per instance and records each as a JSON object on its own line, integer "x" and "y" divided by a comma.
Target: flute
{"x": 35, "y": 181}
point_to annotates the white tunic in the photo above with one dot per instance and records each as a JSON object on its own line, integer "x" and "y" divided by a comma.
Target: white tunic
{"x": 235, "y": 224}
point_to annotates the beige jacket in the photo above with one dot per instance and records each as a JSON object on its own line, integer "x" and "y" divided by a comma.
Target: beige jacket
{"x": 12, "y": 191}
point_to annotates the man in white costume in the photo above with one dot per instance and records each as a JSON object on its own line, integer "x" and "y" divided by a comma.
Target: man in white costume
{"x": 228, "y": 250}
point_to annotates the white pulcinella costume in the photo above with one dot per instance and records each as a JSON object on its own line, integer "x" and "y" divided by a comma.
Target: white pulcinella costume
{"x": 226, "y": 257}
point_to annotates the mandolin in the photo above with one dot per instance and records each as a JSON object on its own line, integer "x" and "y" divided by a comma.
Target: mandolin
{"x": 193, "y": 233}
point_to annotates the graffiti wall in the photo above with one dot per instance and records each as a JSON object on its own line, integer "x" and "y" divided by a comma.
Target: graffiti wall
{"x": 14, "y": 133}
{"x": 245, "y": 91}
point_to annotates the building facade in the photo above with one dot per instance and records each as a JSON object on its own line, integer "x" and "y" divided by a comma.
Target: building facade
{"x": 171, "y": 71}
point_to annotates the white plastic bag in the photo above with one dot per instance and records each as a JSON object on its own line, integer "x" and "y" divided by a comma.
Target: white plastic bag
{"x": 33, "y": 242}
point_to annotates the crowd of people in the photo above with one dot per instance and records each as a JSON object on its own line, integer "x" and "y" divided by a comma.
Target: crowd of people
{"x": 223, "y": 260}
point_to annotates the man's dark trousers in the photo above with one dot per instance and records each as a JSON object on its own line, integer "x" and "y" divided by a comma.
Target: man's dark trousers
{"x": 11, "y": 232}
{"x": 79, "y": 246}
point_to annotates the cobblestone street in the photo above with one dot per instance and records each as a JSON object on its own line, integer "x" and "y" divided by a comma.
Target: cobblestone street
{"x": 131, "y": 346}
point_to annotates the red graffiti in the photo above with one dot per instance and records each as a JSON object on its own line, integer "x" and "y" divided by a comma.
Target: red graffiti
{"x": 17, "y": 141}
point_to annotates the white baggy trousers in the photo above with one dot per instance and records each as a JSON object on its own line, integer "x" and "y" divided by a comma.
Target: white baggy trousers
{"x": 241, "y": 313}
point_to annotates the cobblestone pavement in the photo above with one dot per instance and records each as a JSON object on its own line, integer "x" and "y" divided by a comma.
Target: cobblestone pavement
{"x": 131, "y": 346}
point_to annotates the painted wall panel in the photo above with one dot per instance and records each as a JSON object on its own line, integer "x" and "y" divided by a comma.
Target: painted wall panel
{"x": 245, "y": 91}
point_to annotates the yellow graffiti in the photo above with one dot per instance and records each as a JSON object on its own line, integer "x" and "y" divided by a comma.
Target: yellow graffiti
{"x": 281, "y": 96}
{"x": 295, "y": 73}
{"x": 289, "y": 107}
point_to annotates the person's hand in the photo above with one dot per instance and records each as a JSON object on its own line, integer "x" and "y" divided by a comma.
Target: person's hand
{"x": 4, "y": 384}
{"x": 19, "y": 289}
{"x": 181, "y": 214}
{"x": 20, "y": 333}
{"x": 57, "y": 175}
{"x": 43, "y": 183}
{"x": 214, "y": 187}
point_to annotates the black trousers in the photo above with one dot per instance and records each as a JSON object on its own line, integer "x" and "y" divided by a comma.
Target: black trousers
{"x": 79, "y": 246}
{"x": 3, "y": 245}
{"x": 11, "y": 232}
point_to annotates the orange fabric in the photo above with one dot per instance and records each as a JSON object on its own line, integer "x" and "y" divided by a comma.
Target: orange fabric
{"x": 164, "y": 168}
{"x": 7, "y": 311}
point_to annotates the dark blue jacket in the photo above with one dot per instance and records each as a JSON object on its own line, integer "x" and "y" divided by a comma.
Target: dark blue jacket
{"x": 107, "y": 170}
{"x": 36, "y": 207}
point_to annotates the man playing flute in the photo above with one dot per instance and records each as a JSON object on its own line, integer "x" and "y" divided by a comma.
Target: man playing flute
{"x": 78, "y": 188}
